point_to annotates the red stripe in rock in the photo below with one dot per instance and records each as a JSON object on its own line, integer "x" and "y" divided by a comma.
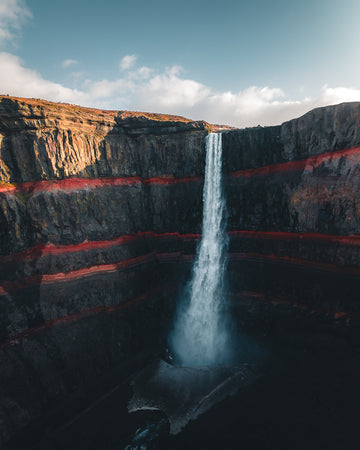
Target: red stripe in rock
{"x": 291, "y": 166}
{"x": 51, "y": 249}
{"x": 74, "y": 184}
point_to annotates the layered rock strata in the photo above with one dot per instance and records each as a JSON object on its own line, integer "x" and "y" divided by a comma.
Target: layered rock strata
{"x": 100, "y": 215}
{"x": 95, "y": 209}
{"x": 294, "y": 213}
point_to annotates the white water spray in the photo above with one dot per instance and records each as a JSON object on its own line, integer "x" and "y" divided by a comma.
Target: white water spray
{"x": 200, "y": 335}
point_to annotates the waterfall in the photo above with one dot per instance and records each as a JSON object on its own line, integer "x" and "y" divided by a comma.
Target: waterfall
{"x": 200, "y": 335}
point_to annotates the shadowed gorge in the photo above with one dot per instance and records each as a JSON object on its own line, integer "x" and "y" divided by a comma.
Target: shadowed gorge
{"x": 100, "y": 218}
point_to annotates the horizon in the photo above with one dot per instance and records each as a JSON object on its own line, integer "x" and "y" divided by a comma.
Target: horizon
{"x": 250, "y": 64}
{"x": 165, "y": 114}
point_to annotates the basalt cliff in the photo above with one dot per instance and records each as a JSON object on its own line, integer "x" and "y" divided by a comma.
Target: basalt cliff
{"x": 100, "y": 214}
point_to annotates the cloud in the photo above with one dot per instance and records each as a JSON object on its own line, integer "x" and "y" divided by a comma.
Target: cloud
{"x": 337, "y": 95}
{"x": 255, "y": 105}
{"x": 107, "y": 88}
{"x": 13, "y": 13}
{"x": 169, "y": 91}
{"x": 17, "y": 80}
{"x": 76, "y": 75}
{"x": 127, "y": 62}
{"x": 141, "y": 73}
{"x": 68, "y": 62}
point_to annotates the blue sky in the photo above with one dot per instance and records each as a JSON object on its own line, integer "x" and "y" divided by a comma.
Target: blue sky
{"x": 236, "y": 62}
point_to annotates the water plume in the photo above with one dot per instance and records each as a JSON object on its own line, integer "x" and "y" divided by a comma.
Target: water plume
{"x": 201, "y": 331}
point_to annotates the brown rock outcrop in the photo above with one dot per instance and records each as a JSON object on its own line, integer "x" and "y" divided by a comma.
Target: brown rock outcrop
{"x": 44, "y": 141}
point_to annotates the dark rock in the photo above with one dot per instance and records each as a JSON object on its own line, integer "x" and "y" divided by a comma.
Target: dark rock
{"x": 100, "y": 214}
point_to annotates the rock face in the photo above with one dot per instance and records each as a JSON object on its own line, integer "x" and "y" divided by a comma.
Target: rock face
{"x": 96, "y": 208}
{"x": 100, "y": 214}
{"x": 293, "y": 200}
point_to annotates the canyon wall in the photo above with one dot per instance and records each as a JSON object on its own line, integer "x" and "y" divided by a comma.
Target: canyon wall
{"x": 294, "y": 216}
{"x": 96, "y": 210}
{"x": 100, "y": 214}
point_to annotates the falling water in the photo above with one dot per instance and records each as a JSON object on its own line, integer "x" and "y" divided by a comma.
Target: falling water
{"x": 200, "y": 335}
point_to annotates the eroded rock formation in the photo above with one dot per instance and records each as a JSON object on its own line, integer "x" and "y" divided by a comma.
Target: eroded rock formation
{"x": 100, "y": 213}
{"x": 294, "y": 214}
{"x": 91, "y": 203}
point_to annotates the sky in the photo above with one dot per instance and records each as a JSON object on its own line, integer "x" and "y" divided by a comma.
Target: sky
{"x": 241, "y": 63}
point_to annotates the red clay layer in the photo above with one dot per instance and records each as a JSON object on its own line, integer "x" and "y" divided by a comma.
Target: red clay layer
{"x": 287, "y": 236}
{"x": 46, "y": 279}
{"x": 277, "y": 300}
{"x": 72, "y": 318}
{"x": 73, "y": 184}
{"x": 11, "y": 286}
{"x": 51, "y": 249}
{"x": 292, "y": 166}
{"x": 252, "y": 256}
{"x": 111, "y": 308}
{"x": 43, "y": 250}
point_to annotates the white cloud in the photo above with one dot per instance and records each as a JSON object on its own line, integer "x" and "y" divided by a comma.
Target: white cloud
{"x": 148, "y": 89}
{"x": 68, "y": 62}
{"x": 168, "y": 91}
{"x": 107, "y": 88}
{"x": 141, "y": 73}
{"x": 13, "y": 13}
{"x": 127, "y": 62}
{"x": 17, "y": 80}
{"x": 253, "y": 106}
{"x": 337, "y": 95}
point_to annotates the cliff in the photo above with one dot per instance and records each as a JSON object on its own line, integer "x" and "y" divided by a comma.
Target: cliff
{"x": 293, "y": 201}
{"x": 95, "y": 208}
{"x": 100, "y": 214}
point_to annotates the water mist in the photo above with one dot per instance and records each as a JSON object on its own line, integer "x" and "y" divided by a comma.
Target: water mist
{"x": 201, "y": 331}
{"x": 205, "y": 369}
